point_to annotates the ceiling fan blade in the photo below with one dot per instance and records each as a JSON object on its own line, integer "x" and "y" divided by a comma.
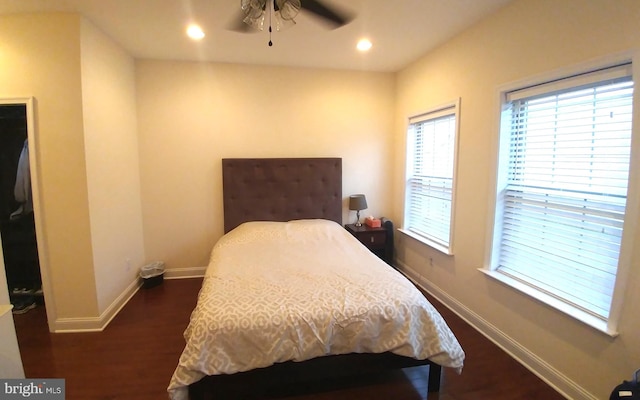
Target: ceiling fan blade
{"x": 331, "y": 16}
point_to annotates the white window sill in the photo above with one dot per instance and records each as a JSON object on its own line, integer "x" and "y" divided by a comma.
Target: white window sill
{"x": 551, "y": 301}
{"x": 430, "y": 243}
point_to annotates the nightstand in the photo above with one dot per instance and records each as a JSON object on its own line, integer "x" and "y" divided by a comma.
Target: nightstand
{"x": 378, "y": 240}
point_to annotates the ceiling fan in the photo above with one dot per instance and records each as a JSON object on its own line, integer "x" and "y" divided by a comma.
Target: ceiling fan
{"x": 256, "y": 14}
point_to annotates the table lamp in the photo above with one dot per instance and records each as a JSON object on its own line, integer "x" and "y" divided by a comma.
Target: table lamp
{"x": 357, "y": 202}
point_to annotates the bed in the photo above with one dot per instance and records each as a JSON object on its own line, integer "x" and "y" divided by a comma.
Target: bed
{"x": 288, "y": 289}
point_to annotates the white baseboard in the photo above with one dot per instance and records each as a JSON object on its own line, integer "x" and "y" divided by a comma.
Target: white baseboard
{"x": 554, "y": 378}
{"x": 183, "y": 273}
{"x": 97, "y": 324}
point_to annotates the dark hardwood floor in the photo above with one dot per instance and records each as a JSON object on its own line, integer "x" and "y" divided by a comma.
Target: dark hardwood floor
{"x": 134, "y": 358}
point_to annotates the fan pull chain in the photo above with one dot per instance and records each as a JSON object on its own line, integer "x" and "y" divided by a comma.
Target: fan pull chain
{"x": 270, "y": 12}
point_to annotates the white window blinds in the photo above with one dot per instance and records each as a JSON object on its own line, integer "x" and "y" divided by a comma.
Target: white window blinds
{"x": 563, "y": 206}
{"x": 430, "y": 172}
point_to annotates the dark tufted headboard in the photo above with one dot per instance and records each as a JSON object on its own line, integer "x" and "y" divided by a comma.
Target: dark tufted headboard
{"x": 281, "y": 189}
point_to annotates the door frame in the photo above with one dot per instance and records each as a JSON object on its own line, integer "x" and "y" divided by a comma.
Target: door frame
{"x": 38, "y": 209}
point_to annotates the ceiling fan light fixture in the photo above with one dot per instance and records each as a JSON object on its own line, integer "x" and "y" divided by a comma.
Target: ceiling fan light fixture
{"x": 253, "y": 8}
{"x": 254, "y": 11}
{"x": 280, "y": 14}
{"x": 255, "y": 23}
{"x": 287, "y": 9}
{"x": 282, "y": 23}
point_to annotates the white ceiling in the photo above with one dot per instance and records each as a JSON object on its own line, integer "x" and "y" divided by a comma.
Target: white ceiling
{"x": 401, "y": 30}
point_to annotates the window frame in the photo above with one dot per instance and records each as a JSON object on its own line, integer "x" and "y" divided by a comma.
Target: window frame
{"x": 446, "y": 109}
{"x": 632, "y": 213}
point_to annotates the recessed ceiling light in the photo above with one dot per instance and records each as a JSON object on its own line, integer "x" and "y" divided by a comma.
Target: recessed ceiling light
{"x": 195, "y": 32}
{"x": 364, "y": 45}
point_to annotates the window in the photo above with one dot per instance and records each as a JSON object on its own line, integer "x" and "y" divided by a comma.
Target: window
{"x": 429, "y": 190}
{"x": 562, "y": 187}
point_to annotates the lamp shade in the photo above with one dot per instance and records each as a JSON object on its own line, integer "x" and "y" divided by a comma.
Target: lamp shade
{"x": 357, "y": 202}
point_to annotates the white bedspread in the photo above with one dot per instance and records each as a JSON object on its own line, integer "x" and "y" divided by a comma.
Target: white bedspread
{"x": 276, "y": 291}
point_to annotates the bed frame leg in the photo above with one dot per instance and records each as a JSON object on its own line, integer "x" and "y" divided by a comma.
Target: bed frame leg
{"x": 435, "y": 377}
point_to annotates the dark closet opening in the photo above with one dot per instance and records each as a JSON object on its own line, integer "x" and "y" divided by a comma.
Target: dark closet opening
{"x": 17, "y": 226}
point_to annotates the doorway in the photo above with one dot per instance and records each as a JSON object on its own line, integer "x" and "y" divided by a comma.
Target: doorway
{"x": 17, "y": 219}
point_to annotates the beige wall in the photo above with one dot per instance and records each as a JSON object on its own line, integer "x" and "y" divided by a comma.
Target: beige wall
{"x": 111, "y": 151}
{"x": 527, "y": 38}
{"x": 40, "y": 57}
{"x": 192, "y": 115}
{"x": 86, "y": 161}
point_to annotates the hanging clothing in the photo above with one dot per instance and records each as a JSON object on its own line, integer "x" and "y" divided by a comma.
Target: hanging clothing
{"x": 22, "y": 189}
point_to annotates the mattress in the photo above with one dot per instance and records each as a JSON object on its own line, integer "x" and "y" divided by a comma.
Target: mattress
{"x": 293, "y": 291}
